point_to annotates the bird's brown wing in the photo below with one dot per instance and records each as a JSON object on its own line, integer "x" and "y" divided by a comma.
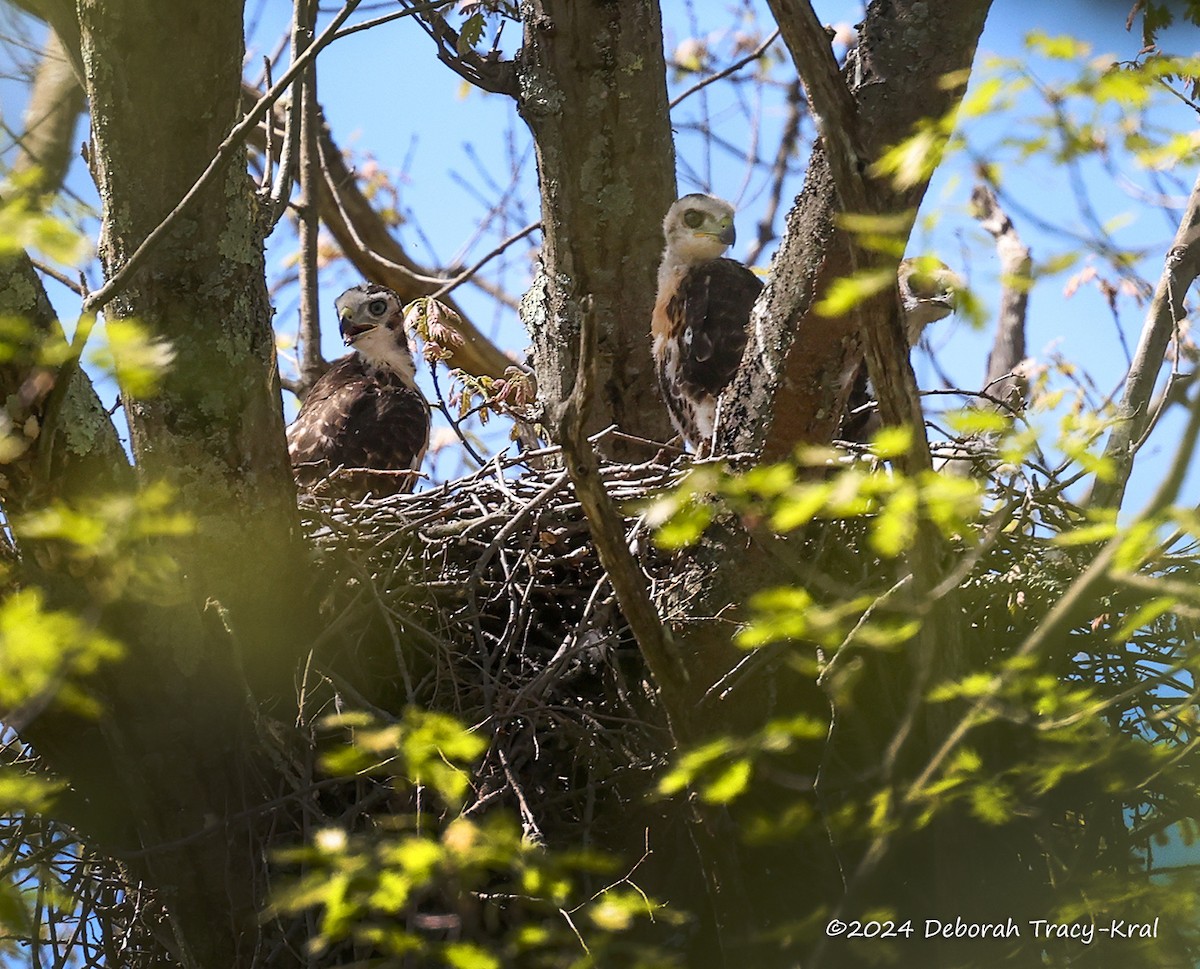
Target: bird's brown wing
{"x": 355, "y": 419}
{"x": 717, "y": 298}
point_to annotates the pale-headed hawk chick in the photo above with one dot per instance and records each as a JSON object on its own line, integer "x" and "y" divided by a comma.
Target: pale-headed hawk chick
{"x": 701, "y": 314}
{"x": 366, "y": 410}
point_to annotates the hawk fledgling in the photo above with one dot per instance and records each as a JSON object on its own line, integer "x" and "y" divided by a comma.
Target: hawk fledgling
{"x": 928, "y": 291}
{"x": 366, "y": 410}
{"x": 701, "y": 314}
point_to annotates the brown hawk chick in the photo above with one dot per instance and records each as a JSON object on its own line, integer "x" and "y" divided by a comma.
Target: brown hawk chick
{"x": 701, "y": 314}
{"x": 365, "y": 411}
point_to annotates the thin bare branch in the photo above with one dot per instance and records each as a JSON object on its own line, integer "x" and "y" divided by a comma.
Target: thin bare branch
{"x": 731, "y": 69}
{"x": 499, "y": 249}
{"x": 233, "y": 143}
{"x": 779, "y": 172}
{"x": 311, "y": 363}
{"x": 368, "y": 243}
{"x": 395, "y": 15}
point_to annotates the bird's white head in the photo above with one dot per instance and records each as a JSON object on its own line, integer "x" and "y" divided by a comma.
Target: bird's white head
{"x": 929, "y": 291}
{"x": 371, "y": 320}
{"x": 698, "y": 228}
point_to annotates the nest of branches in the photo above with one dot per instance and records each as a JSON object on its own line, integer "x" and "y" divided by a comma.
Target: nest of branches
{"x": 485, "y": 598}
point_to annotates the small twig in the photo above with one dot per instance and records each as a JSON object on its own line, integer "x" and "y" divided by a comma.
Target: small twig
{"x": 731, "y": 69}
{"x": 397, "y": 15}
{"x": 450, "y": 419}
{"x": 59, "y": 277}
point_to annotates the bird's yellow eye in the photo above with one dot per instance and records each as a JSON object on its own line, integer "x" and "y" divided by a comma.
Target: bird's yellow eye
{"x": 693, "y": 218}
{"x": 377, "y": 307}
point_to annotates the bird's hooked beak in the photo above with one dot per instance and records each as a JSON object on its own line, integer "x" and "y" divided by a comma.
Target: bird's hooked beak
{"x": 724, "y": 232}
{"x": 350, "y": 330}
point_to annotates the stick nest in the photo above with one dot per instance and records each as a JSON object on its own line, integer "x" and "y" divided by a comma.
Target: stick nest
{"x": 484, "y": 598}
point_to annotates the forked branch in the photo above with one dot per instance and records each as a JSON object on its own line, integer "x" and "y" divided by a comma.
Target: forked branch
{"x": 1163, "y": 317}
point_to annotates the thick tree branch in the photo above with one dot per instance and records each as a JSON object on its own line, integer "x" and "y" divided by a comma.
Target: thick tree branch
{"x": 782, "y": 397}
{"x": 608, "y": 533}
{"x": 837, "y": 114}
{"x": 832, "y": 102}
{"x": 709, "y": 826}
{"x": 55, "y": 104}
{"x": 593, "y": 92}
{"x": 1166, "y": 310}
{"x": 1008, "y": 348}
{"x": 89, "y": 458}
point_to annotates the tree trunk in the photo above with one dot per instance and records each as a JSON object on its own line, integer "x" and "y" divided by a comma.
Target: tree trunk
{"x": 593, "y": 92}
{"x": 797, "y": 397}
{"x": 174, "y": 780}
{"x": 214, "y": 430}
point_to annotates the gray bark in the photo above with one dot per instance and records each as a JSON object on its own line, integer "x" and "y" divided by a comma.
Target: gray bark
{"x": 215, "y": 428}
{"x": 593, "y": 92}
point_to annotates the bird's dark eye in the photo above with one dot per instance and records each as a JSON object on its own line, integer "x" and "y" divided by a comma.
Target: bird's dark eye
{"x": 693, "y": 218}
{"x": 377, "y": 307}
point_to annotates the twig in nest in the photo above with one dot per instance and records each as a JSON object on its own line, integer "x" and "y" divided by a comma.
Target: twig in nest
{"x": 628, "y": 581}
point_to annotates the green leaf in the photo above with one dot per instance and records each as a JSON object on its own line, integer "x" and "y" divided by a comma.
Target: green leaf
{"x": 44, "y": 652}
{"x": 892, "y": 442}
{"x": 894, "y": 528}
{"x": 685, "y": 526}
{"x": 134, "y": 356}
{"x": 729, "y": 783}
{"x": 470, "y": 33}
{"x": 1062, "y": 47}
{"x": 799, "y": 506}
{"x": 847, "y": 292}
